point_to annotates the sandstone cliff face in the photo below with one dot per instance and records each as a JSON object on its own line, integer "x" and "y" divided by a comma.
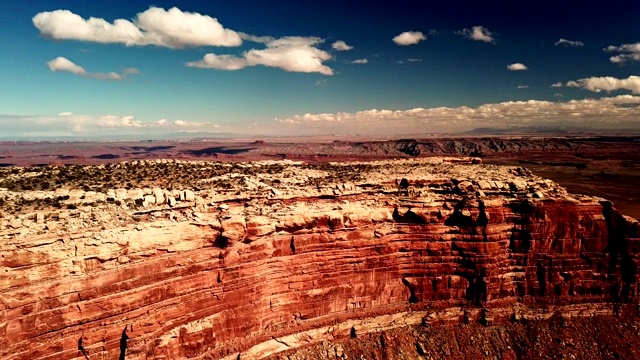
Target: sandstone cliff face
{"x": 258, "y": 278}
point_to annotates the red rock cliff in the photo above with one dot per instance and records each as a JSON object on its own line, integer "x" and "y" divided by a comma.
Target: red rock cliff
{"x": 237, "y": 278}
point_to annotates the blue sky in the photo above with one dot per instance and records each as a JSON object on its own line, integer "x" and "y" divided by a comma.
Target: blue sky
{"x": 176, "y": 68}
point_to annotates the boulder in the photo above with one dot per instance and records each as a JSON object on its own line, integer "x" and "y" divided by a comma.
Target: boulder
{"x": 159, "y": 196}
{"x": 465, "y": 187}
{"x": 149, "y": 200}
{"x": 517, "y": 185}
{"x": 484, "y": 185}
{"x": 189, "y": 195}
{"x": 89, "y": 196}
{"x": 135, "y": 194}
{"x": 61, "y": 192}
{"x": 258, "y": 226}
{"x": 233, "y": 229}
{"x": 121, "y": 194}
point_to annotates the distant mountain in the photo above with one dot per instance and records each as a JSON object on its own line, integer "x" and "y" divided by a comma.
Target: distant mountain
{"x": 547, "y": 130}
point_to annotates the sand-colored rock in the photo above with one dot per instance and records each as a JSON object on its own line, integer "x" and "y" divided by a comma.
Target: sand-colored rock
{"x": 121, "y": 194}
{"x": 135, "y": 194}
{"x": 188, "y": 195}
{"x": 159, "y": 195}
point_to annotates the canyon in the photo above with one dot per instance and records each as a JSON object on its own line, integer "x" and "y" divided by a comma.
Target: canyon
{"x": 252, "y": 260}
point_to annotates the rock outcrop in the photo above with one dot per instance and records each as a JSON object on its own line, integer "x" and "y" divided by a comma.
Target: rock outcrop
{"x": 262, "y": 271}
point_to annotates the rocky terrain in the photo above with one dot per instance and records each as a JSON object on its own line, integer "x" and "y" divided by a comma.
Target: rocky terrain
{"x": 556, "y": 337}
{"x": 606, "y": 166}
{"x": 208, "y": 260}
{"x": 322, "y": 149}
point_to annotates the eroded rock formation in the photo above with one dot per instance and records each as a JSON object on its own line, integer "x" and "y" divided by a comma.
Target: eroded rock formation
{"x": 259, "y": 271}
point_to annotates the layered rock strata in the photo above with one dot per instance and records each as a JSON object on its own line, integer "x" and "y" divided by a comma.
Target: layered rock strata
{"x": 262, "y": 270}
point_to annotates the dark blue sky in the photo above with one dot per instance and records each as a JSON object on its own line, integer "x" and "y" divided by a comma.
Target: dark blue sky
{"x": 60, "y": 79}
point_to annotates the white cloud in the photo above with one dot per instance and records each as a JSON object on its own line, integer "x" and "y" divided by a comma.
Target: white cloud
{"x": 220, "y": 62}
{"x": 63, "y": 64}
{"x": 619, "y": 112}
{"x": 478, "y": 33}
{"x": 607, "y": 83}
{"x": 612, "y": 112}
{"x": 414, "y": 60}
{"x": 113, "y": 121}
{"x": 409, "y": 38}
{"x": 341, "y": 46}
{"x": 171, "y": 28}
{"x": 183, "y": 123}
{"x": 292, "y": 53}
{"x": 556, "y": 85}
{"x": 108, "y": 76}
{"x": 360, "y": 61}
{"x": 517, "y": 67}
{"x": 628, "y": 52}
{"x": 566, "y": 42}
{"x": 71, "y": 124}
{"x": 624, "y": 48}
{"x": 523, "y": 86}
{"x": 256, "y": 39}
{"x": 176, "y": 29}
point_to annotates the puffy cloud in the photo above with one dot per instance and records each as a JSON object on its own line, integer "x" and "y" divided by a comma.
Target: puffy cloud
{"x": 607, "y": 83}
{"x": 409, "y": 38}
{"x": 556, "y": 85}
{"x": 609, "y": 112}
{"x": 65, "y": 25}
{"x": 360, "y": 61}
{"x": 81, "y": 125}
{"x": 628, "y": 52}
{"x": 624, "y": 48}
{"x": 523, "y": 86}
{"x": 130, "y": 71}
{"x": 113, "y": 121}
{"x": 176, "y": 29}
{"x": 63, "y": 64}
{"x": 220, "y": 62}
{"x": 566, "y": 42}
{"x": 183, "y": 123}
{"x": 517, "y": 67}
{"x": 341, "y": 46}
{"x": 108, "y": 76}
{"x": 478, "y": 33}
{"x": 292, "y": 53}
{"x": 257, "y": 39}
{"x": 171, "y": 28}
